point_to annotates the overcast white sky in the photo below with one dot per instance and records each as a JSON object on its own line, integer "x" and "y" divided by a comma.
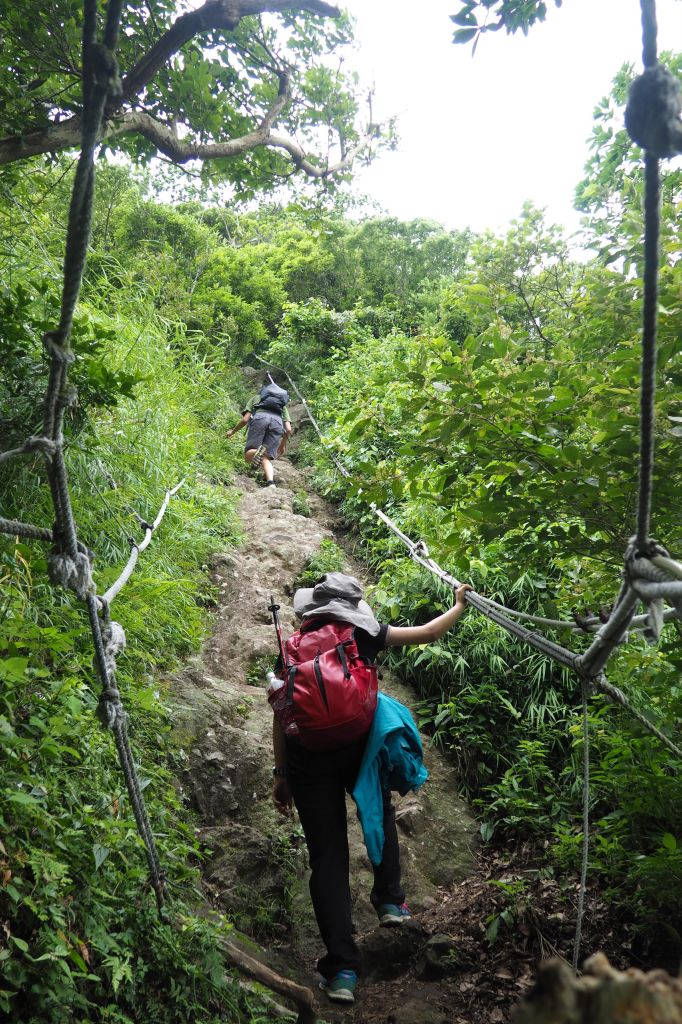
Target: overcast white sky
{"x": 481, "y": 134}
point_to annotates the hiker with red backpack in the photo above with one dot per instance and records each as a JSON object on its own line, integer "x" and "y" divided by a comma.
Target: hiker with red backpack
{"x": 334, "y": 733}
{"x": 269, "y": 427}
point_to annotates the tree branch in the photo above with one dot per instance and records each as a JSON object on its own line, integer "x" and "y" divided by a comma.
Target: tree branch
{"x": 301, "y": 996}
{"x": 312, "y": 170}
{"x": 179, "y": 151}
{"x": 214, "y": 14}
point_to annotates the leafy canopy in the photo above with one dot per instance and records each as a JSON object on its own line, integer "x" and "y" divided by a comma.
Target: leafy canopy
{"x": 477, "y": 16}
{"x": 258, "y": 95}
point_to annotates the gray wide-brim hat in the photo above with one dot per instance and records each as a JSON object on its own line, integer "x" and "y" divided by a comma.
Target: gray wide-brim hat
{"x": 337, "y": 596}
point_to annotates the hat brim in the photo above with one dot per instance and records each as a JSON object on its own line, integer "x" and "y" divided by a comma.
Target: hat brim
{"x": 302, "y": 598}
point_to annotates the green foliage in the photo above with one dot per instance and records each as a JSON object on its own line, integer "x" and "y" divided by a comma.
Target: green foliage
{"x": 309, "y": 334}
{"x": 213, "y": 85}
{"x": 514, "y": 894}
{"x": 83, "y": 938}
{"x": 255, "y": 674}
{"x": 511, "y": 15}
{"x": 329, "y": 558}
{"x": 612, "y": 191}
{"x": 507, "y": 439}
{"x": 299, "y": 504}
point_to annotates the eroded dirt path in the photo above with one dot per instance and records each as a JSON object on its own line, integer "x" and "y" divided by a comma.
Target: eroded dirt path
{"x": 258, "y": 859}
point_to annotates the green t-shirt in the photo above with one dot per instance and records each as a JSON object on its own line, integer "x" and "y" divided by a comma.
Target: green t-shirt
{"x": 252, "y": 402}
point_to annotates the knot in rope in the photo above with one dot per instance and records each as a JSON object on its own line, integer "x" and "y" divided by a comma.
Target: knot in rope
{"x": 73, "y": 574}
{"x": 110, "y": 710}
{"x": 45, "y": 445}
{"x": 420, "y": 549}
{"x": 652, "y": 115}
{"x": 54, "y": 346}
{"x": 652, "y": 584}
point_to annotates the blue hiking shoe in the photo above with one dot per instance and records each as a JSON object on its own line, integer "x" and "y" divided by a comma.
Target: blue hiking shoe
{"x": 341, "y": 988}
{"x": 391, "y": 915}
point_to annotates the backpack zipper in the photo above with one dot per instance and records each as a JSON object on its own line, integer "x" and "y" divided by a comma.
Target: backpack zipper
{"x": 342, "y": 658}
{"x": 320, "y": 681}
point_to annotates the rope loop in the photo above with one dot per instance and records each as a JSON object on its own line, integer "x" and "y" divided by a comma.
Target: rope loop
{"x": 652, "y": 115}
{"x": 652, "y": 584}
{"x": 71, "y": 573}
{"x": 420, "y": 549}
{"x": 38, "y": 443}
{"x": 114, "y": 638}
{"x": 600, "y": 685}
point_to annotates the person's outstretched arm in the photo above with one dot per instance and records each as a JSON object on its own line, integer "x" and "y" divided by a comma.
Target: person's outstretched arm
{"x": 242, "y": 423}
{"x": 403, "y": 636}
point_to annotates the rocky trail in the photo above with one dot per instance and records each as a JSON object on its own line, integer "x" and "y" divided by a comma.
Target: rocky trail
{"x": 439, "y": 968}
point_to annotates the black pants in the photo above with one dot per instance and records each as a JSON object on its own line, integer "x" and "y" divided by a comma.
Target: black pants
{"x": 319, "y": 780}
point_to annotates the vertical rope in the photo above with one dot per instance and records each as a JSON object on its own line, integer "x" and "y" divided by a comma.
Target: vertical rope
{"x": 586, "y": 830}
{"x": 100, "y": 79}
{"x": 119, "y": 729}
{"x": 651, "y": 256}
{"x": 648, "y": 390}
{"x": 649, "y": 33}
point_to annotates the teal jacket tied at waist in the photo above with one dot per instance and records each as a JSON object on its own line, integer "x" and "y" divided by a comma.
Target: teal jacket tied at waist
{"x": 392, "y": 761}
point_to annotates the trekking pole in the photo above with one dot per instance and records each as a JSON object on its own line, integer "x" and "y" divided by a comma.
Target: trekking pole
{"x": 274, "y": 608}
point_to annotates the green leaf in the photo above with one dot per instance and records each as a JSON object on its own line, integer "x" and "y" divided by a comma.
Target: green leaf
{"x": 22, "y": 798}
{"x": 464, "y": 35}
{"x": 487, "y": 829}
{"x": 12, "y": 670}
{"x": 669, "y": 842}
{"x": 464, "y": 18}
{"x": 100, "y": 853}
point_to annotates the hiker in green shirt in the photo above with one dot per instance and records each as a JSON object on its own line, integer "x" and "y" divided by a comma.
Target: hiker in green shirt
{"x": 269, "y": 427}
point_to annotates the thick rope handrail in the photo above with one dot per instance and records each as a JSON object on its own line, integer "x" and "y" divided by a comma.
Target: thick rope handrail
{"x": 137, "y": 549}
{"x": 588, "y": 665}
{"x": 592, "y": 624}
{"x": 14, "y": 528}
{"x": 419, "y": 554}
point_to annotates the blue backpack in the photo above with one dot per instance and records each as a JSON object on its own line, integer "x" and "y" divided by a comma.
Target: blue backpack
{"x": 273, "y": 398}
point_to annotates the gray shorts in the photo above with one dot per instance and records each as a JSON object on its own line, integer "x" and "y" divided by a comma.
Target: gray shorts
{"x": 264, "y": 428}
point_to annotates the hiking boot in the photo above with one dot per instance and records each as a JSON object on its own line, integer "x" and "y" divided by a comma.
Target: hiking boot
{"x": 340, "y": 988}
{"x": 270, "y": 483}
{"x": 391, "y": 915}
{"x": 258, "y": 457}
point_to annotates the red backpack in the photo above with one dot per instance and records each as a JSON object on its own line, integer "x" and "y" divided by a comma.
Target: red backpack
{"x": 331, "y": 692}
